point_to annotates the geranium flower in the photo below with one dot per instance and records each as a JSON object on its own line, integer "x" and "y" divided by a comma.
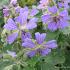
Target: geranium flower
{"x": 39, "y": 45}
{"x": 20, "y": 24}
{"x": 54, "y": 21}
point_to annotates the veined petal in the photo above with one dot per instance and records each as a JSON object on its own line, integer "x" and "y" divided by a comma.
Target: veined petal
{"x": 10, "y": 25}
{"x": 32, "y": 23}
{"x": 17, "y": 9}
{"x": 51, "y": 44}
{"x": 22, "y": 18}
{"x": 64, "y": 13}
{"x": 52, "y": 26}
{"x": 25, "y": 35}
{"x": 40, "y": 37}
{"x": 46, "y": 51}
{"x": 60, "y": 5}
{"x": 28, "y": 43}
{"x": 34, "y": 12}
{"x": 33, "y": 20}
{"x": 45, "y": 18}
{"x": 25, "y": 9}
{"x": 62, "y": 23}
{"x": 31, "y": 26}
{"x": 31, "y": 53}
{"x": 11, "y": 38}
{"x": 6, "y": 12}
{"x": 53, "y": 9}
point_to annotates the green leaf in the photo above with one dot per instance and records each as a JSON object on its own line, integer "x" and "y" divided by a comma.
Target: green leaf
{"x": 56, "y": 57}
{"x": 52, "y": 35}
{"x": 46, "y": 66}
{"x": 8, "y": 67}
{"x": 3, "y": 2}
{"x": 6, "y": 64}
{"x": 1, "y": 19}
{"x": 7, "y": 47}
{"x": 66, "y": 65}
{"x": 33, "y": 61}
{"x": 66, "y": 31}
{"x": 26, "y": 2}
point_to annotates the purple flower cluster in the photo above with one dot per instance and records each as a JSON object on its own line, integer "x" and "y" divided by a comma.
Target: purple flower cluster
{"x": 20, "y": 24}
{"x": 55, "y": 16}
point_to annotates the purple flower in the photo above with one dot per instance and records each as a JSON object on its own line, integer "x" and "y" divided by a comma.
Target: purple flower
{"x": 23, "y": 19}
{"x": 11, "y": 25}
{"x": 20, "y": 24}
{"x": 39, "y": 45}
{"x": 63, "y": 4}
{"x": 13, "y": 2}
{"x": 6, "y": 12}
{"x": 56, "y": 22}
{"x": 24, "y": 35}
{"x": 53, "y": 9}
{"x": 43, "y": 4}
{"x": 11, "y": 53}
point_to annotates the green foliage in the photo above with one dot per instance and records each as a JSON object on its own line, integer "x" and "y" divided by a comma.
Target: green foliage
{"x": 66, "y": 31}
{"x": 46, "y": 66}
{"x": 3, "y": 2}
{"x": 56, "y": 57}
{"x": 6, "y": 64}
{"x": 26, "y": 2}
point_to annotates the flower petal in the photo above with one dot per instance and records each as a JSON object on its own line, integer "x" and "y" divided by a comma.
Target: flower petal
{"x": 45, "y": 18}
{"x": 44, "y": 52}
{"x": 22, "y": 18}
{"x": 52, "y": 26}
{"x": 31, "y": 53}
{"x": 53, "y": 9}
{"x": 62, "y": 23}
{"x": 34, "y": 12}
{"x": 64, "y": 13}
{"x": 28, "y": 43}
{"x": 40, "y": 37}
{"x": 32, "y": 23}
{"x": 25, "y": 35}
{"x": 11, "y": 25}
{"x": 25, "y": 9}
{"x": 51, "y": 44}
{"x": 11, "y": 38}
{"x": 6, "y": 12}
